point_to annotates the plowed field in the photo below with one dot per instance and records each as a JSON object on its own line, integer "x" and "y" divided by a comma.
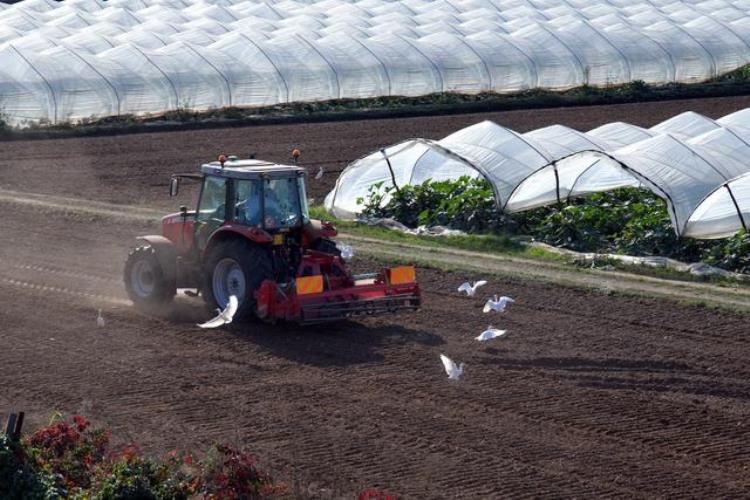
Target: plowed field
{"x": 589, "y": 395}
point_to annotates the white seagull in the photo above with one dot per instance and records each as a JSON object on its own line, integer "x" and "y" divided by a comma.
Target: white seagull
{"x": 453, "y": 371}
{"x": 471, "y": 289}
{"x": 100, "y": 319}
{"x": 224, "y": 317}
{"x": 490, "y": 333}
{"x": 498, "y": 304}
{"x": 319, "y": 175}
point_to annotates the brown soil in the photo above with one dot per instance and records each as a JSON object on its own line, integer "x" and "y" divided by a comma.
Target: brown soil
{"x": 589, "y": 395}
{"x": 135, "y": 168}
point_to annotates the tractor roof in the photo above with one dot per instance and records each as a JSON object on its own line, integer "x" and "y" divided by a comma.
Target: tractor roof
{"x": 251, "y": 169}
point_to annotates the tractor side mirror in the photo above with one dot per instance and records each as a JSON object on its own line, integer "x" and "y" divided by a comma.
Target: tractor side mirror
{"x": 174, "y": 186}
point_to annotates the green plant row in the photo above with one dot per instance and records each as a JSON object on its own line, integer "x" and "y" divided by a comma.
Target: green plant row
{"x": 626, "y": 221}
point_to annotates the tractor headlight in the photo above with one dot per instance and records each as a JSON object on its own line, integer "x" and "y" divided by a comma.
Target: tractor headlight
{"x": 347, "y": 252}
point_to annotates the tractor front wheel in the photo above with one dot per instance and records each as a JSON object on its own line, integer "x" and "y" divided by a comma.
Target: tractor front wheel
{"x": 235, "y": 268}
{"x": 145, "y": 282}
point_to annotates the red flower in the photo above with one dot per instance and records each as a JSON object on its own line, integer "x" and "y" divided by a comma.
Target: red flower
{"x": 130, "y": 453}
{"x": 81, "y": 423}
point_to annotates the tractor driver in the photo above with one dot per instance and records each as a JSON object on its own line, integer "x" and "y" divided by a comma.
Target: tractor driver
{"x": 247, "y": 202}
{"x": 272, "y": 206}
{"x": 248, "y": 208}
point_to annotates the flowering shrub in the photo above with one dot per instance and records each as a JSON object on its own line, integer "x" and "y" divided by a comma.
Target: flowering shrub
{"x": 233, "y": 474}
{"x": 70, "y": 459}
{"x": 69, "y": 449}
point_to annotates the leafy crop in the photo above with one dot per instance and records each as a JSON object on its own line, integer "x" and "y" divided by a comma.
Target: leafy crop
{"x": 466, "y": 203}
{"x": 626, "y": 221}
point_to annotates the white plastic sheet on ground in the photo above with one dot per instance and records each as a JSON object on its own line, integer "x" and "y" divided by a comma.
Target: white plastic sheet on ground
{"x": 315, "y": 50}
{"x": 683, "y": 160}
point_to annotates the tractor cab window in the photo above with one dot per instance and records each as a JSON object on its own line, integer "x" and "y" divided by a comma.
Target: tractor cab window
{"x": 213, "y": 199}
{"x": 281, "y": 203}
{"x": 247, "y": 202}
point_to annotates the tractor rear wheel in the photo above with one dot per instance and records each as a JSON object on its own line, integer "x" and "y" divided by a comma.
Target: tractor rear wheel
{"x": 145, "y": 282}
{"x": 235, "y": 268}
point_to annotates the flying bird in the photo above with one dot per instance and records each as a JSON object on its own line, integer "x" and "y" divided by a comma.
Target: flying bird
{"x": 100, "y": 319}
{"x": 471, "y": 289}
{"x": 319, "y": 175}
{"x": 498, "y": 305}
{"x": 224, "y": 317}
{"x": 453, "y": 371}
{"x": 490, "y": 333}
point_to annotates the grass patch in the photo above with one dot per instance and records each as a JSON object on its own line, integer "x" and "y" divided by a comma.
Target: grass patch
{"x": 666, "y": 273}
{"x": 489, "y": 243}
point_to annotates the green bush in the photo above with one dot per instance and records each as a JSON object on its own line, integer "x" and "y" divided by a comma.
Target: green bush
{"x": 626, "y": 221}
{"x": 136, "y": 477}
{"x": 739, "y": 75}
{"x": 4, "y": 126}
{"x": 19, "y": 478}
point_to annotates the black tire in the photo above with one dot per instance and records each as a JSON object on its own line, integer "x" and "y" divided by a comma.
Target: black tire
{"x": 145, "y": 282}
{"x": 326, "y": 246}
{"x": 255, "y": 264}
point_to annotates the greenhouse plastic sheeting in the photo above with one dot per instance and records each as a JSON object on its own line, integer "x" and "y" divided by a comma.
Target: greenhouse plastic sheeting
{"x": 582, "y": 174}
{"x": 682, "y": 159}
{"x": 252, "y": 52}
{"x": 677, "y": 166}
{"x": 723, "y": 212}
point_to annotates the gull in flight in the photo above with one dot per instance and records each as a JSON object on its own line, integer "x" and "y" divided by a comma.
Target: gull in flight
{"x": 224, "y": 317}
{"x": 497, "y": 304}
{"x": 453, "y": 371}
{"x": 100, "y": 319}
{"x": 490, "y": 333}
{"x": 319, "y": 175}
{"x": 471, "y": 289}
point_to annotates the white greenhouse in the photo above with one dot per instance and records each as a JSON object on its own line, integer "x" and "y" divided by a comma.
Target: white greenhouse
{"x": 697, "y": 165}
{"x": 81, "y": 59}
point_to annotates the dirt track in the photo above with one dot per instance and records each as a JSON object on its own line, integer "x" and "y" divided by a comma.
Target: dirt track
{"x": 590, "y": 395}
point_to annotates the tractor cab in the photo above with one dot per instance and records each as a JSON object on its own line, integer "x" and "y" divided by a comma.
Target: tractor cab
{"x": 258, "y": 198}
{"x": 255, "y": 194}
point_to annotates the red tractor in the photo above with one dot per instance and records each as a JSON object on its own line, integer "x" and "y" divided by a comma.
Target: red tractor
{"x": 251, "y": 237}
